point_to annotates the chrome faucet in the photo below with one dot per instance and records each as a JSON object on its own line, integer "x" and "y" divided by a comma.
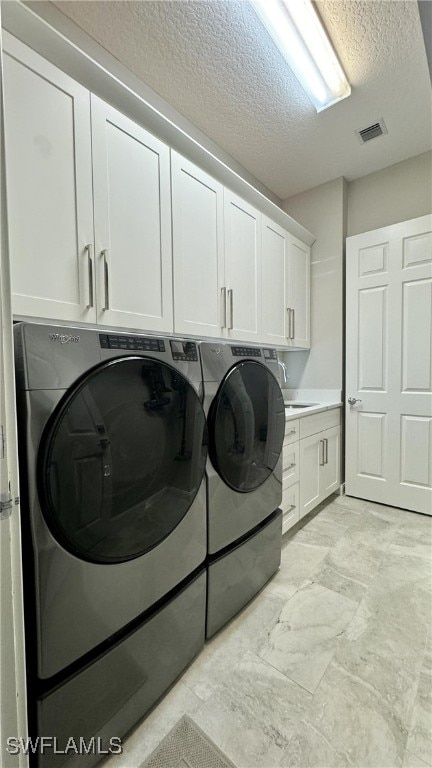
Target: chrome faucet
{"x": 284, "y": 371}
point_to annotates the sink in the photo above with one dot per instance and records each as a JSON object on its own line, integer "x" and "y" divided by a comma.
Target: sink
{"x": 290, "y": 404}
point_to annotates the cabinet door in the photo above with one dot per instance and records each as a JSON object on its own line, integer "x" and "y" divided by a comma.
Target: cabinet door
{"x": 197, "y": 212}
{"x": 242, "y": 225}
{"x": 49, "y": 188}
{"x": 274, "y": 264}
{"x": 298, "y": 292}
{"x": 311, "y": 462}
{"x": 132, "y": 212}
{"x": 330, "y": 471}
{"x": 290, "y": 464}
{"x": 290, "y": 507}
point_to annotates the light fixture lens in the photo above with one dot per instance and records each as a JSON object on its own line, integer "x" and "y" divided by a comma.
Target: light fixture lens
{"x": 296, "y": 29}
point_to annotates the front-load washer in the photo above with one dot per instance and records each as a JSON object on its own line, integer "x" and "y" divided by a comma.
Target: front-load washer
{"x": 246, "y": 424}
{"x": 113, "y": 445}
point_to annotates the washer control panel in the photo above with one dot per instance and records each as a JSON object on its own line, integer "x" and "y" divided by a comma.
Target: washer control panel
{"x": 131, "y": 343}
{"x": 246, "y": 352}
{"x": 184, "y": 350}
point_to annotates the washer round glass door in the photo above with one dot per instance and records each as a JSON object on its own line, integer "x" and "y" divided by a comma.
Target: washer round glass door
{"x": 122, "y": 459}
{"x": 246, "y": 426}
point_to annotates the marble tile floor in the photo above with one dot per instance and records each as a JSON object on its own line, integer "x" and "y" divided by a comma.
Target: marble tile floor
{"x": 331, "y": 664}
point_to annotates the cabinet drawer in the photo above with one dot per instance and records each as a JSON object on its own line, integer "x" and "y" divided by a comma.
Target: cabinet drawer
{"x": 317, "y": 422}
{"x": 291, "y": 431}
{"x": 290, "y": 464}
{"x": 290, "y": 507}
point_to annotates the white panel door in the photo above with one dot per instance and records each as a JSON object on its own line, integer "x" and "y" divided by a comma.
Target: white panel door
{"x": 198, "y": 250}
{"x": 311, "y": 462}
{"x": 298, "y": 293}
{"x": 132, "y": 210}
{"x": 242, "y": 268}
{"x": 389, "y": 365}
{"x": 49, "y": 188}
{"x": 274, "y": 265}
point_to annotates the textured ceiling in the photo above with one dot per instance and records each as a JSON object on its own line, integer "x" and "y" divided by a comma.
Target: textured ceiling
{"x": 213, "y": 61}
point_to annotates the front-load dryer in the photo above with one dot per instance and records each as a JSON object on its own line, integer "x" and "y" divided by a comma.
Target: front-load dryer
{"x": 246, "y": 424}
{"x": 113, "y": 445}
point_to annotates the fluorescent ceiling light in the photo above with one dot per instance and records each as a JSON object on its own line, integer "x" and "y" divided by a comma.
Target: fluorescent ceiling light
{"x": 296, "y": 29}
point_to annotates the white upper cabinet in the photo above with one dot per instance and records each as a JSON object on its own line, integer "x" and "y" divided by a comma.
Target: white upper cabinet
{"x": 285, "y": 288}
{"x": 298, "y": 293}
{"x": 275, "y": 316}
{"x": 49, "y": 188}
{"x": 132, "y": 213}
{"x": 242, "y": 224}
{"x": 216, "y": 257}
{"x": 108, "y": 225}
{"x": 198, "y": 250}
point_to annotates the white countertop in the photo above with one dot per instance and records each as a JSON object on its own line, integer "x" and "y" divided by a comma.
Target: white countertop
{"x": 295, "y": 413}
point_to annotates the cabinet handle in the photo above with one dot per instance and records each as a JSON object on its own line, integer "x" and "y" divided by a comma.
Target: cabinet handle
{"x": 291, "y": 432}
{"x": 104, "y": 255}
{"x": 290, "y": 466}
{"x": 322, "y": 462}
{"x": 326, "y": 450}
{"x": 224, "y": 307}
{"x": 293, "y": 325}
{"x": 289, "y": 323}
{"x": 230, "y": 294}
{"x": 89, "y": 249}
{"x": 290, "y": 509}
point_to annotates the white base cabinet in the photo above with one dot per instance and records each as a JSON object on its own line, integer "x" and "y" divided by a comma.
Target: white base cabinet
{"x": 320, "y": 458}
{"x": 311, "y": 460}
{"x": 290, "y": 475}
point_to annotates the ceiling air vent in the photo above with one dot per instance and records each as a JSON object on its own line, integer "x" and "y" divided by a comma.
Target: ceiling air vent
{"x": 371, "y": 132}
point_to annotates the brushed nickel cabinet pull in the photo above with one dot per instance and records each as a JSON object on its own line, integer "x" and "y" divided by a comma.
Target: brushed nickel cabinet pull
{"x": 293, "y": 324}
{"x": 326, "y": 450}
{"x": 322, "y": 462}
{"x": 104, "y": 255}
{"x": 288, "y": 335}
{"x": 89, "y": 249}
{"x": 224, "y": 307}
{"x": 230, "y": 294}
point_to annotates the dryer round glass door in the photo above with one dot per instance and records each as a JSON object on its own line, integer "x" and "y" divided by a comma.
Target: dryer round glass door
{"x": 246, "y": 426}
{"x": 121, "y": 459}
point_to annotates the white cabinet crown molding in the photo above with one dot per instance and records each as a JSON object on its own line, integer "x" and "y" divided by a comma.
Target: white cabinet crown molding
{"x": 43, "y": 28}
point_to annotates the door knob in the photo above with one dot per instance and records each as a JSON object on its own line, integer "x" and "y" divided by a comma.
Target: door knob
{"x": 354, "y": 400}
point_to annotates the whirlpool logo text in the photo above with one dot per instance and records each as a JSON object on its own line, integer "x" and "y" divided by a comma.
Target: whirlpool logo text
{"x": 64, "y": 338}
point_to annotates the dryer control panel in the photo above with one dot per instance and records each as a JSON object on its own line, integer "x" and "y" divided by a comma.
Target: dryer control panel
{"x": 131, "y": 343}
{"x": 246, "y": 352}
{"x": 184, "y": 350}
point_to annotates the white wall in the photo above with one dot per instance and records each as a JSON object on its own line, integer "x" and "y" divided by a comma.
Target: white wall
{"x": 322, "y": 210}
{"x": 397, "y": 193}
